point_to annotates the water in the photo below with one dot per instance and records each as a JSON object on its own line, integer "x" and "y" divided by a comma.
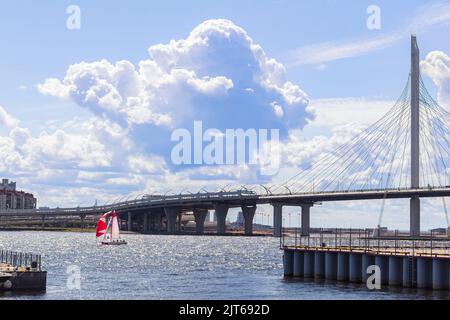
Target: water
{"x": 177, "y": 267}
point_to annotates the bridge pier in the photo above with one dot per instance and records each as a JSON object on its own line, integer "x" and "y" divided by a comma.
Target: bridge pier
{"x": 306, "y": 213}
{"x": 277, "y": 219}
{"x": 249, "y": 214}
{"x": 146, "y": 223}
{"x": 221, "y": 211}
{"x": 415, "y": 216}
{"x": 82, "y": 218}
{"x": 158, "y": 222}
{"x": 171, "y": 215}
{"x": 129, "y": 222}
{"x": 180, "y": 217}
{"x": 200, "y": 217}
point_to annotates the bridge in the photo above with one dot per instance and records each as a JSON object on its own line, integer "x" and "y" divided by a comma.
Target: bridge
{"x": 404, "y": 155}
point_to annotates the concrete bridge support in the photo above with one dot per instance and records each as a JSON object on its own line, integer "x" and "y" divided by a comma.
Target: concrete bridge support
{"x": 343, "y": 268}
{"x": 277, "y": 219}
{"x": 156, "y": 224}
{"x": 367, "y": 261}
{"x": 383, "y": 263}
{"x": 395, "y": 271}
{"x": 415, "y": 216}
{"x": 319, "y": 265}
{"x": 146, "y": 223}
{"x": 171, "y": 216}
{"x": 330, "y": 265}
{"x": 299, "y": 263}
{"x": 200, "y": 217}
{"x": 309, "y": 264}
{"x": 249, "y": 214}
{"x": 355, "y": 267}
{"x": 415, "y": 136}
{"x": 440, "y": 274}
{"x": 82, "y": 218}
{"x": 179, "y": 220}
{"x": 129, "y": 222}
{"x": 221, "y": 211}
{"x": 306, "y": 213}
{"x": 424, "y": 273}
{"x": 288, "y": 263}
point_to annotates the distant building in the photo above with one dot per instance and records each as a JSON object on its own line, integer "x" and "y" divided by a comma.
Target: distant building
{"x": 10, "y": 198}
{"x": 240, "y": 219}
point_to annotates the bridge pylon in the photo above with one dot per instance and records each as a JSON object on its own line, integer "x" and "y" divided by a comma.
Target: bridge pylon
{"x": 415, "y": 136}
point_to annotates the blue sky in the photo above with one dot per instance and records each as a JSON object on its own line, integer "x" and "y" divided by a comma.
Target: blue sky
{"x": 326, "y": 49}
{"x": 35, "y": 32}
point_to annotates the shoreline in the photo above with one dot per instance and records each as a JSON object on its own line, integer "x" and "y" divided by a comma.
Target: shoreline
{"x": 92, "y": 230}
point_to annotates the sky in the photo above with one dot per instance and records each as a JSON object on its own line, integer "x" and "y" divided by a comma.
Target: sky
{"x": 87, "y": 114}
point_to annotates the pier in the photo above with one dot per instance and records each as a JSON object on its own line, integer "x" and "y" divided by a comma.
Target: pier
{"x": 21, "y": 272}
{"x": 350, "y": 256}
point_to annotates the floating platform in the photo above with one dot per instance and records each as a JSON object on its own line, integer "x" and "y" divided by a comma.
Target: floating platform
{"x": 23, "y": 281}
{"x": 422, "y": 263}
{"x": 21, "y": 272}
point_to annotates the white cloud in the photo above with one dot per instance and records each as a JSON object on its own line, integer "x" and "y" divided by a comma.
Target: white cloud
{"x": 331, "y": 51}
{"x": 186, "y": 80}
{"x": 141, "y": 164}
{"x": 344, "y": 111}
{"x": 427, "y": 18}
{"x": 6, "y": 120}
{"x": 437, "y": 66}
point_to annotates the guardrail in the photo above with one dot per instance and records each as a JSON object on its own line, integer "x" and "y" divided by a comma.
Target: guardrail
{"x": 201, "y": 197}
{"x": 20, "y": 260}
{"x": 432, "y": 245}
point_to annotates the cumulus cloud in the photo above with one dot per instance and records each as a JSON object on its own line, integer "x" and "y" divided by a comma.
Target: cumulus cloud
{"x": 218, "y": 74}
{"x": 437, "y": 67}
{"x": 6, "y": 120}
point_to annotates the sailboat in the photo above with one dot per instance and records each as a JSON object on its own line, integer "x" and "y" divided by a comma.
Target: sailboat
{"x": 109, "y": 234}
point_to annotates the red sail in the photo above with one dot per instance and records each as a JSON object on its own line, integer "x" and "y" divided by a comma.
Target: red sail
{"x": 102, "y": 226}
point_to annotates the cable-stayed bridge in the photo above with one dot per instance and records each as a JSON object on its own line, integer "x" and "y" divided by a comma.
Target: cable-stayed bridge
{"x": 405, "y": 154}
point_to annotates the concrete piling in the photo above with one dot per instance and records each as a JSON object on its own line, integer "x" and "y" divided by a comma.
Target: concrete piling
{"x": 288, "y": 263}
{"x": 331, "y": 265}
{"x": 395, "y": 271}
{"x": 440, "y": 274}
{"x": 299, "y": 263}
{"x": 309, "y": 264}
{"x": 424, "y": 273}
{"x": 383, "y": 263}
{"x": 319, "y": 265}
{"x": 367, "y": 261}
{"x": 343, "y": 266}
{"x": 355, "y": 267}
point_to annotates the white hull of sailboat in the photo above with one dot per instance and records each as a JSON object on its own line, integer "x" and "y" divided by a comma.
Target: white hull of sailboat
{"x": 114, "y": 243}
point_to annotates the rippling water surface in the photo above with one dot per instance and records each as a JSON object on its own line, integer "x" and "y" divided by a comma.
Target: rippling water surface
{"x": 177, "y": 267}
